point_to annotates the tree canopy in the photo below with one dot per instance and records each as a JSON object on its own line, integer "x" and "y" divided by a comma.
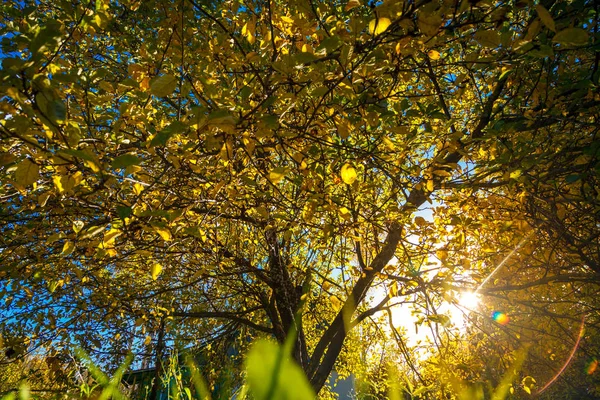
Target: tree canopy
{"x": 189, "y": 172}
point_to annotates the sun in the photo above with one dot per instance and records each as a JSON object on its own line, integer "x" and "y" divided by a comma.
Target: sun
{"x": 468, "y": 300}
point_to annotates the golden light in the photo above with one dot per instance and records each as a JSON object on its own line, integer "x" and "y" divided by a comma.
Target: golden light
{"x": 469, "y": 300}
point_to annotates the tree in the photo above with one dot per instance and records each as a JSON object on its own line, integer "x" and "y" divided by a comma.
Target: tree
{"x": 195, "y": 170}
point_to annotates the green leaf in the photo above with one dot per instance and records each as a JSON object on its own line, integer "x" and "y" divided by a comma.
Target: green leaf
{"x": 545, "y": 17}
{"x": 271, "y": 374}
{"x": 163, "y": 86}
{"x": 57, "y": 112}
{"x": 125, "y": 161}
{"x": 53, "y": 109}
{"x": 330, "y": 44}
{"x": 489, "y": 39}
{"x": 124, "y": 211}
{"x": 571, "y": 37}
{"x": 78, "y": 154}
{"x": 572, "y": 178}
{"x": 542, "y": 52}
{"x": 304, "y": 58}
{"x": 163, "y": 136}
{"x": 27, "y": 172}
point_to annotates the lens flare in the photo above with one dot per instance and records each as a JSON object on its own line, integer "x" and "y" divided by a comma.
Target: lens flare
{"x": 500, "y": 318}
{"x": 566, "y": 364}
{"x": 591, "y": 367}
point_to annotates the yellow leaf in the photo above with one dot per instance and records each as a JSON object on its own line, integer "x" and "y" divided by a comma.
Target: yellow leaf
{"x": 378, "y": 26}
{"x": 138, "y": 188}
{"x": 441, "y": 172}
{"x": 27, "y": 172}
{"x": 165, "y": 234}
{"x": 93, "y": 165}
{"x": 389, "y": 145}
{"x": 430, "y": 186}
{"x": 348, "y": 174}
{"x": 226, "y": 152}
{"x": 420, "y": 221}
{"x": 352, "y": 4}
{"x": 249, "y": 30}
{"x": 393, "y": 289}
{"x": 65, "y": 183}
{"x": 77, "y": 226}
{"x": 545, "y": 17}
{"x": 68, "y": 248}
{"x": 434, "y": 55}
{"x": 75, "y": 179}
{"x": 277, "y": 175}
{"x": 156, "y": 270}
{"x": 58, "y": 183}
{"x": 335, "y": 302}
{"x": 109, "y": 237}
{"x": 252, "y": 56}
{"x": 441, "y": 254}
{"x": 345, "y": 213}
{"x": 148, "y": 340}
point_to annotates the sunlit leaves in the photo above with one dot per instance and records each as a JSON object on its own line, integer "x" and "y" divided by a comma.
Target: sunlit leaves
{"x": 68, "y": 248}
{"x": 379, "y": 25}
{"x": 249, "y": 31}
{"x": 164, "y": 233}
{"x": 64, "y": 183}
{"x": 348, "y": 174}
{"x": 156, "y": 270}
{"x": 78, "y": 226}
{"x": 89, "y": 159}
{"x": 434, "y": 54}
{"x": 172, "y": 152}
{"x": 277, "y": 174}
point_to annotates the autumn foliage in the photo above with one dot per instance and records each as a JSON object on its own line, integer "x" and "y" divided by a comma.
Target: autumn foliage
{"x": 206, "y": 173}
